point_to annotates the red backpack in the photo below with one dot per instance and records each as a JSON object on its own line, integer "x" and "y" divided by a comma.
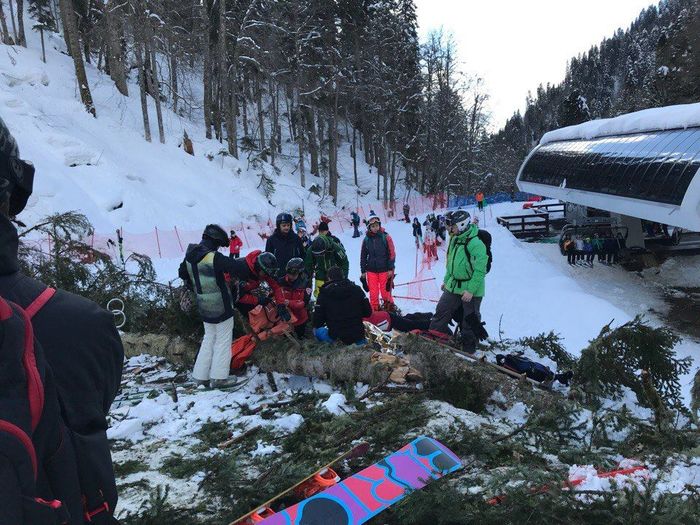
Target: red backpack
{"x": 37, "y": 469}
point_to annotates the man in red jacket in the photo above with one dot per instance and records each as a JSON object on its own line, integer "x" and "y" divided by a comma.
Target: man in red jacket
{"x": 235, "y": 245}
{"x": 297, "y": 292}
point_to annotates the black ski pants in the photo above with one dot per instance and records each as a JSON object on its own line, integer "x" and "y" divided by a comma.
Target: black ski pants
{"x": 448, "y": 304}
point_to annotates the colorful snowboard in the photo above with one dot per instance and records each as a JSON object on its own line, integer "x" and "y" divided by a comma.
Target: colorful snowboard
{"x": 364, "y": 495}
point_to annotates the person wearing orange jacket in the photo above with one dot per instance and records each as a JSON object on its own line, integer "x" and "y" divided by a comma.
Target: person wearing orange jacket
{"x": 377, "y": 260}
{"x": 480, "y": 200}
{"x": 235, "y": 245}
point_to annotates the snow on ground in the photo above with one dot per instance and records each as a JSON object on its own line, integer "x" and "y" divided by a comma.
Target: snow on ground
{"x": 654, "y": 119}
{"x": 683, "y": 272}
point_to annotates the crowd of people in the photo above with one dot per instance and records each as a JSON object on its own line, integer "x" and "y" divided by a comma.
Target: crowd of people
{"x": 307, "y": 282}
{"x": 582, "y": 249}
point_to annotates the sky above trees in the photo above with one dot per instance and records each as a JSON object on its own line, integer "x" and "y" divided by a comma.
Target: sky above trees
{"x": 516, "y": 45}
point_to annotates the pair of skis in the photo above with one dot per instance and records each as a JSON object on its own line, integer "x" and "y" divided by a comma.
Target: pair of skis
{"x": 362, "y": 496}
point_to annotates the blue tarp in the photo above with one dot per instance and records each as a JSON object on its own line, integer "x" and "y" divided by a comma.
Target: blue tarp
{"x": 456, "y": 201}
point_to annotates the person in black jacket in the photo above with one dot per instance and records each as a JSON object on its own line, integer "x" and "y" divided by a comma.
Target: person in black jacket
{"x": 205, "y": 271}
{"x": 84, "y": 357}
{"x": 284, "y": 244}
{"x": 417, "y": 232}
{"x": 340, "y": 308}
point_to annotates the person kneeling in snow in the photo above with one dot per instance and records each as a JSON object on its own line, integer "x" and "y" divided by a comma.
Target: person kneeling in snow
{"x": 463, "y": 286}
{"x": 204, "y": 272}
{"x": 296, "y": 289}
{"x": 339, "y": 311}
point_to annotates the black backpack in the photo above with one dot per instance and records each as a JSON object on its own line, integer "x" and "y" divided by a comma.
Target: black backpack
{"x": 532, "y": 369}
{"x": 522, "y": 365}
{"x": 484, "y": 237}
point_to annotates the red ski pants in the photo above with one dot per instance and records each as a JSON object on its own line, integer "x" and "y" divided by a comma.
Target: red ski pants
{"x": 377, "y": 285}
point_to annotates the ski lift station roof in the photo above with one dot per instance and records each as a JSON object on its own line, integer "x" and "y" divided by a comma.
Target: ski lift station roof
{"x": 644, "y": 164}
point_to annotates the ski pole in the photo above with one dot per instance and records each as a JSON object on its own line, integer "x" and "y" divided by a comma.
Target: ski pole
{"x": 415, "y": 298}
{"x": 415, "y": 282}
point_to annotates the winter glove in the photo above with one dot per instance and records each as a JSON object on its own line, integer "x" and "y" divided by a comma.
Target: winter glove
{"x": 477, "y": 327}
{"x": 363, "y": 280}
{"x": 264, "y": 300}
{"x": 390, "y": 283}
{"x": 283, "y": 313}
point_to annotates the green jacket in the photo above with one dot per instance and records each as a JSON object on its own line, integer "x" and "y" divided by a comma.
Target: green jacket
{"x": 464, "y": 275}
{"x": 318, "y": 265}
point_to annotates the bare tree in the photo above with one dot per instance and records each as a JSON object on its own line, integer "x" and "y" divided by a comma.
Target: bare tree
{"x": 70, "y": 27}
{"x": 5, "y": 34}
{"x": 21, "y": 37}
{"x": 115, "y": 56}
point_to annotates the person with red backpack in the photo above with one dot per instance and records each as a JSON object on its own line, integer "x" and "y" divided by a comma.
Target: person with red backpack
{"x": 464, "y": 283}
{"x": 297, "y": 292}
{"x": 377, "y": 264}
{"x": 61, "y": 362}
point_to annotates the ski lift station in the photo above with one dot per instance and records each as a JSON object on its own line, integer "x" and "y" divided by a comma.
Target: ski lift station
{"x": 644, "y": 166}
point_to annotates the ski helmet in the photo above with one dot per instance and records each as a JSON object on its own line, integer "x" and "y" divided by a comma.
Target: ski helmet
{"x": 283, "y": 217}
{"x": 16, "y": 175}
{"x": 461, "y": 219}
{"x": 217, "y": 234}
{"x": 320, "y": 245}
{"x": 267, "y": 263}
{"x": 295, "y": 265}
{"x": 372, "y": 219}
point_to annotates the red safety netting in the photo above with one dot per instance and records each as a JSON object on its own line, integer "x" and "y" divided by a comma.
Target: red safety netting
{"x": 171, "y": 243}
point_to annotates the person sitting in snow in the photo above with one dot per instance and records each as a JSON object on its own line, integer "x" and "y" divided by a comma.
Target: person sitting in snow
{"x": 297, "y": 292}
{"x": 464, "y": 282}
{"x": 377, "y": 259}
{"x": 339, "y": 310}
{"x": 284, "y": 244}
{"x": 235, "y": 245}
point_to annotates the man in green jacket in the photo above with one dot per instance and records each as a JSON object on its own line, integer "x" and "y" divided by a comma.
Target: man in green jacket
{"x": 463, "y": 286}
{"x": 324, "y": 253}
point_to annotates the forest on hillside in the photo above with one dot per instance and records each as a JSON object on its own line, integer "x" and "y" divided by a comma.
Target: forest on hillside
{"x": 255, "y": 73}
{"x": 654, "y": 63}
{"x": 322, "y": 73}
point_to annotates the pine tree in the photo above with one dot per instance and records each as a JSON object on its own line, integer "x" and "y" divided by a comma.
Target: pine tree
{"x": 44, "y": 20}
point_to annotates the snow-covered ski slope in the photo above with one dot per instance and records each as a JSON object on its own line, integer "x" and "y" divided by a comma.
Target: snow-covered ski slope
{"x": 531, "y": 289}
{"x": 105, "y": 169}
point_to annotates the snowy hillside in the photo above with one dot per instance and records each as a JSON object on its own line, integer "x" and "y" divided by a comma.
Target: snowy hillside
{"x": 105, "y": 169}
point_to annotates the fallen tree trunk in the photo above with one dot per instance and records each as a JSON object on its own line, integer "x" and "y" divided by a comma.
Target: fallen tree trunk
{"x": 463, "y": 383}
